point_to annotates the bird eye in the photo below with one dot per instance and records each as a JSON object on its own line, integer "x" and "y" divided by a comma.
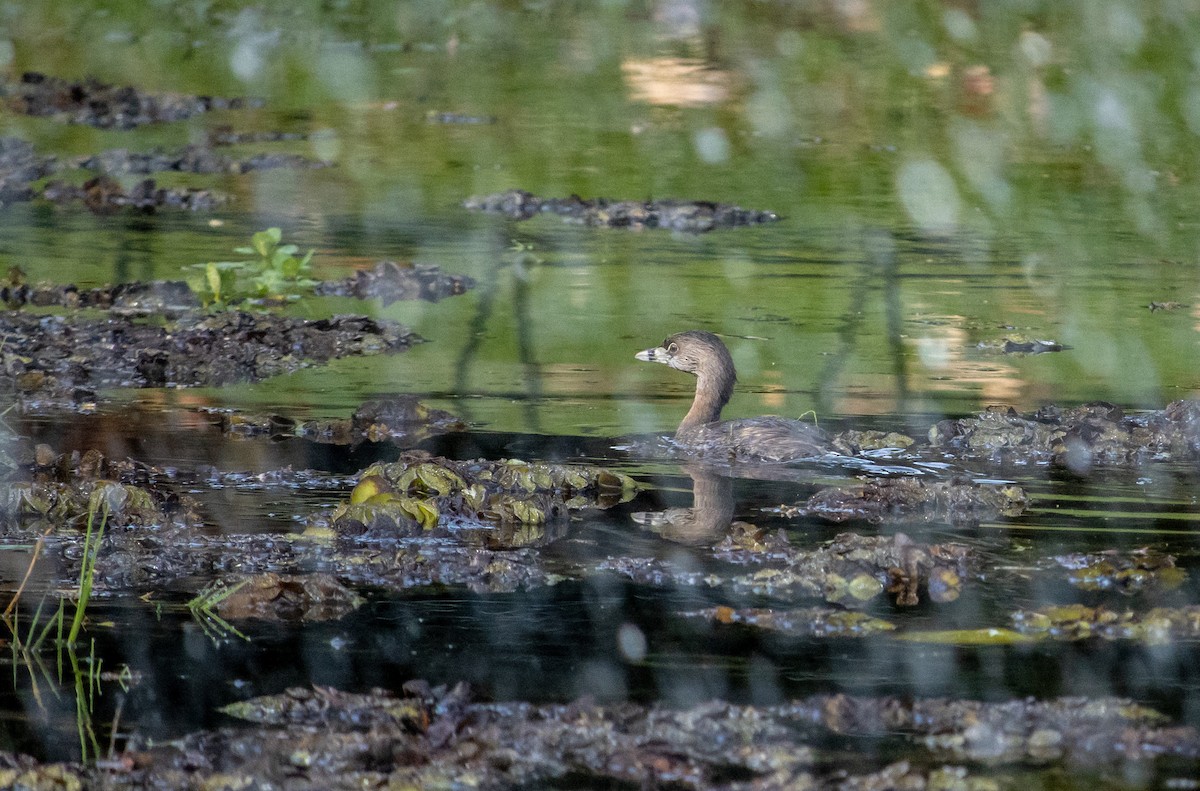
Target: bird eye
{"x": 672, "y": 348}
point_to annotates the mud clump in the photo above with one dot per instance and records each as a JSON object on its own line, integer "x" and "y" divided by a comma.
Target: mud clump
{"x": 390, "y": 282}
{"x": 686, "y": 216}
{"x": 958, "y": 501}
{"x": 65, "y": 358}
{"x": 98, "y": 104}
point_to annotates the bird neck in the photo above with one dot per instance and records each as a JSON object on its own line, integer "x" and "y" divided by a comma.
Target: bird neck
{"x": 711, "y": 397}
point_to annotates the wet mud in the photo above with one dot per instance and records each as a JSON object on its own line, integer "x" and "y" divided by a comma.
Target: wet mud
{"x": 685, "y": 216}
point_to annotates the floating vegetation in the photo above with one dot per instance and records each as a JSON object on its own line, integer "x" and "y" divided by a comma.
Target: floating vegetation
{"x": 1104, "y": 730}
{"x": 420, "y": 492}
{"x": 391, "y": 281}
{"x": 286, "y": 597}
{"x": 189, "y": 159}
{"x": 959, "y": 501}
{"x": 809, "y": 622}
{"x": 1079, "y": 622}
{"x": 853, "y": 441}
{"x": 103, "y": 194}
{"x": 1021, "y": 345}
{"x": 102, "y": 105}
{"x": 66, "y": 358}
{"x": 1076, "y": 438}
{"x": 1125, "y": 572}
{"x": 400, "y": 419}
{"x": 687, "y": 216}
{"x": 440, "y": 737}
{"x": 851, "y": 570}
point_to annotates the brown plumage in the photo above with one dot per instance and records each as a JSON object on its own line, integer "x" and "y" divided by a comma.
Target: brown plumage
{"x": 767, "y": 438}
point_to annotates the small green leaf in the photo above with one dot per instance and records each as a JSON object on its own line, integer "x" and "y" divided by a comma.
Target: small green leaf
{"x": 212, "y": 277}
{"x": 264, "y": 242}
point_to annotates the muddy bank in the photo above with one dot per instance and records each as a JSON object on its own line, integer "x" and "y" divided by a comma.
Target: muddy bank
{"x": 686, "y": 216}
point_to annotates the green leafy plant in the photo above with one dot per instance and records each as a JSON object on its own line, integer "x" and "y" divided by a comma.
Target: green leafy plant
{"x": 273, "y": 271}
{"x": 203, "y": 607}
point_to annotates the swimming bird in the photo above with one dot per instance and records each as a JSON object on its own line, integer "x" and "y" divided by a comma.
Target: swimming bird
{"x": 766, "y": 438}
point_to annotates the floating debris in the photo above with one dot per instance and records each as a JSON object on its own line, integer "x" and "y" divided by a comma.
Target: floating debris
{"x": 1021, "y": 345}
{"x": 853, "y": 442}
{"x": 400, "y": 419}
{"x": 190, "y": 159}
{"x": 687, "y": 216}
{"x": 851, "y": 570}
{"x": 1079, "y": 622}
{"x": 1125, "y": 572}
{"x": 390, "y": 282}
{"x": 460, "y": 119}
{"x": 1105, "y": 730}
{"x": 958, "y": 501}
{"x": 287, "y": 597}
{"x": 170, "y": 298}
{"x": 102, "y": 105}
{"x": 1076, "y": 438}
{"x": 103, "y": 194}
{"x": 810, "y": 622}
{"x": 68, "y": 357}
{"x": 439, "y": 737}
{"x": 19, "y": 167}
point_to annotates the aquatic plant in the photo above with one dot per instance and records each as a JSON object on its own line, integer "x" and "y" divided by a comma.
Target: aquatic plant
{"x": 203, "y": 607}
{"x": 91, "y": 547}
{"x": 273, "y": 271}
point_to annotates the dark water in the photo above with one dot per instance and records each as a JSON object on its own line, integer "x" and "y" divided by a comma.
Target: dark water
{"x": 947, "y": 177}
